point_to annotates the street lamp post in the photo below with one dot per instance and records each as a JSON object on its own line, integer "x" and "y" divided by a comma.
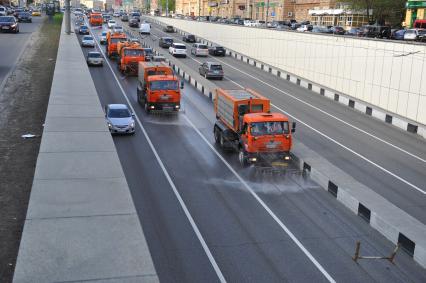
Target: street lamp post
{"x": 67, "y": 17}
{"x": 167, "y": 8}
{"x": 267, "y": 12}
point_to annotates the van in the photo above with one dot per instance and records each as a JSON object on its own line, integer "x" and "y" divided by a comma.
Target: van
{"x": 145, "y": 28}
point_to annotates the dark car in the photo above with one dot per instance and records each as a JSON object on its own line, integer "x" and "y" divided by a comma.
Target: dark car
{"x": 421, "y": 35}
{"x": 169, "y": 29}
{"x": 149, "y": 53}
{"x": 83, "y": 30}
{"x": 17, "y": 11}
{"x": 375, "y": 31}
{"x": 24, "y": 17}
{"x": 124, "y": 18}
{"x": 133, "y": 23}
{"x": 211, "y": 70}
{"x": 189, "y": 38}
{"x": 136, "y": 15}
{"x": 165, "y": 42}
{"x": 320, "y": 29}
{"x": 337, "y": 30}
{"x": 9, "y": 24}
{"x": 217, "y": 51}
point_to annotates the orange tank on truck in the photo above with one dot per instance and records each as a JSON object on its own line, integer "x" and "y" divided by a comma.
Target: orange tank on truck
{"x": 96, "y": 19}
{"x": 112, "y": 40}
{"x": 158, "y": 88}
{"x": 130, "y": 54}
{"x": 244, "y": 123}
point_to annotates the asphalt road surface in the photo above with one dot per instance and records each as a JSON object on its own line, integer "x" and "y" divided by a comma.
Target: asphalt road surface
{"x": 390, "y": 161}
{"x": 208, "y": 220}
{"x": 12, "y": 45}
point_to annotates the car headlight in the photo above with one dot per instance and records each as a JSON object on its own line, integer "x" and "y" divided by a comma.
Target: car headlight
{"x": 132, "y": 125}
{"x": 287, "y": 157}
{"x": 109, "y": 125}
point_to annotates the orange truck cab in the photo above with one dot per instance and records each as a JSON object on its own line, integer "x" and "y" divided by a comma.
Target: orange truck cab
{"x": 96, "y": 19}
{"x": 158, "y": 87}
{"x": 244, "y": 123}
{"x": 129, "y": 54}
{"x": 111, "y": 42}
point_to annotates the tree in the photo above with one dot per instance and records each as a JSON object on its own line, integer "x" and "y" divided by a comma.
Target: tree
{"x": 391, "y": 10}
{"x": 163, "y": 4}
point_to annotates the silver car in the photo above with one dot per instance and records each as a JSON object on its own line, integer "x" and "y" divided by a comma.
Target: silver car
{"x": 103, "y": 39}
{"x": 119, "y": 119}
{"x": 94, "y": 58}
{"x": 199, "y": 49}
{"x": 88, "y": 41}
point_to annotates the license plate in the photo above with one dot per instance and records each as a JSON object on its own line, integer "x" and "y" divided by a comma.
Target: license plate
{"x": 4, "y": 27}
{"x": 216, "y": 72}
{"x": 167, "y": 108}
{"x": 271, "y": 146}
{"x": 279, "y": 163}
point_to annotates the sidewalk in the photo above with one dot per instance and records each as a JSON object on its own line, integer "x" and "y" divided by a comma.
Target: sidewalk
{"x": 81, "y": 223}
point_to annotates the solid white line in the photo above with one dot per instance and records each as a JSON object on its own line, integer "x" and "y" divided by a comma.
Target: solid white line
{"x": 263, "y": 204}
{"x": 320, "y": 110}
{"x": 166, "y": 173}
{"x": 328, "y": 137}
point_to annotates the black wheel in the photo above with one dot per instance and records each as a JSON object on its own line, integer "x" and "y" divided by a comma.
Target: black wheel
{"x": 217, "y": 135}
{"x": 147, "y": 110}
{"x": 242, "y": 157}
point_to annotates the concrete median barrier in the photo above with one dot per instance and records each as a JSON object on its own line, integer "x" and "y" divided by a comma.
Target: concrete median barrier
{"x": 81, "y": 223}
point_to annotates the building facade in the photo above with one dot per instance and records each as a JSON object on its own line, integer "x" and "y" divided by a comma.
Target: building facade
{"x": 254, "y": 9}
{"x": 416, "y": 10}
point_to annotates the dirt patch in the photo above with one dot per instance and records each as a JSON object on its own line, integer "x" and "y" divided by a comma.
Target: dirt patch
{"x": 23, "y": 105}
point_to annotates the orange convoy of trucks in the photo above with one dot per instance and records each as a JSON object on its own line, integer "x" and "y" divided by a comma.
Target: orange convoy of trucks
{"x": 111, "y": 43}
{"x": 158, "y": 87}
{"x": 95, "y": 19}
{"x": 129, "y": 56}
{"x": 244, "y": 123}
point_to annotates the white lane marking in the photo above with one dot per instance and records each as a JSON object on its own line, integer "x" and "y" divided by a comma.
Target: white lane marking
{"x": 263, "y": 204}
{"x": 166, "y": 173}
{"x": 320, "y": 110}
{"x": 333, "y": 140}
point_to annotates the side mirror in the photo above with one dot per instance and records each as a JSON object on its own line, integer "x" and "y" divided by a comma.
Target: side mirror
{"x": 293, "y": 127}
{"x": 133, "y": 115}
{"x": 182, "y": 84}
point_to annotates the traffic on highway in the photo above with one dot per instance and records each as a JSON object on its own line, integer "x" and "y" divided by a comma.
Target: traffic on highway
{"x": 215, "y": 184}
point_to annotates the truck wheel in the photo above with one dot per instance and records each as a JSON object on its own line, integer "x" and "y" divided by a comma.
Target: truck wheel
{"x": 217, "y": 135}
{"x": 243, "y": 158}
{"x": 147, "y": 110}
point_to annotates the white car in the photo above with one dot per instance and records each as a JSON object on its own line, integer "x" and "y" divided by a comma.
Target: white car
{"x": 3, "y": 11}
{"x": 88, "y": 41}
{"x": 116, "y": 14}
{"x": 411, "y": 34}
{"x": 199, "y": 49}
{"x": 103, "y": 38}
{"x": 248, "y": 23}
{"x": 118, "y": 29}
{"x": 94, "y": 58}
{"x": 145, "y": 28}
{"x": 178, "y": 49}
{"x": 111, "y": 23}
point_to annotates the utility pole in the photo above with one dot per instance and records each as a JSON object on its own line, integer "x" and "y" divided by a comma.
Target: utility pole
{"x": 67, "y": 17}
{"x": 167, "y": 8}
{"x": 199, "y": 10}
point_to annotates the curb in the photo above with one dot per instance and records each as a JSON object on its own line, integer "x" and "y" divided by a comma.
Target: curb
{"x": 376, "y": 210}
{"x": 398, "y": 121}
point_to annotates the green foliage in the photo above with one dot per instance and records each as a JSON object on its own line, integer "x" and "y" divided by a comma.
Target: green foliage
{"x": 163, "y": 4}
{"x": 383, "y": 10}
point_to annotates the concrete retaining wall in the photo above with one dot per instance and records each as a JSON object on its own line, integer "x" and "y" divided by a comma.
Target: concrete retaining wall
{"x": 385, "y": 74}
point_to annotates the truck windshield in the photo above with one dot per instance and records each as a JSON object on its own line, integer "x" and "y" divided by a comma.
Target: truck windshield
{"x": 116, "y": 40}
{"x": 269, "y": 128}
{"x": 164, "y": 85}
{"x": 133, "y": 52}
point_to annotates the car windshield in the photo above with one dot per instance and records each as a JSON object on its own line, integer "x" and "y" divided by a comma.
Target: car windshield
{"x": 169, "y": 40}
{"x": 163, "y": 85}
{"x": 119, "y": 113}
{"x": 6, "y": 19}
{"x": 216, "y": 67}
{"x": 87, "y": 38}
{"x": 94, "y": 55}
{"x": 148, "y": 51}
{"x": 269, "y": 128}
{"x": 24, "y": 14}
{"x": 202, "y": 46}
{"x": 180, "y": 46}
{"x": 83, "y": 27}
{"x": 112, "y": 22}
{"x": 134, "y": 52}
{"x": 422, "y": 32}
{"x": 104, "y": 34}
{"x": 219, "y": 48}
